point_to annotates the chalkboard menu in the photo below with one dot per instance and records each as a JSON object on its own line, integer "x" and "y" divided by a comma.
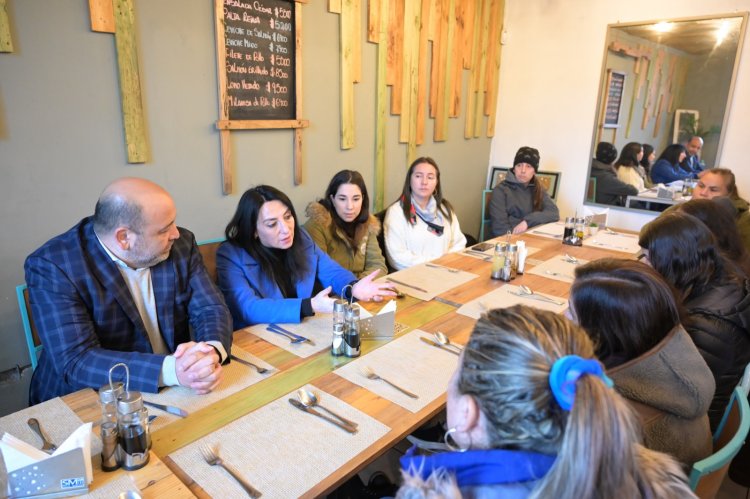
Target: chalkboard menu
{"x": 615, "y": 88}
{"x": 258, "y": 41}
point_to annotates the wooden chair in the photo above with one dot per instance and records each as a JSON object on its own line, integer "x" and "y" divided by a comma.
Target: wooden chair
{"x": 208, "y": 250}
{"x": 486, "y": 197}
{"x": 33, "y": 343}
{"x": 708, "y": 474}
{"x": 591, "y": 190}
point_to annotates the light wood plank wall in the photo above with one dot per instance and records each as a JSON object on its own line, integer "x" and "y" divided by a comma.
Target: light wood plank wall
{"x": 428, "y": 46}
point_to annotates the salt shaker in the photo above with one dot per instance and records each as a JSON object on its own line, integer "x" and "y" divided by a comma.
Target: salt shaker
{"x": 337, "y": 346}
{"x": 108, "y": 395}
{"x": 498, "y": 258}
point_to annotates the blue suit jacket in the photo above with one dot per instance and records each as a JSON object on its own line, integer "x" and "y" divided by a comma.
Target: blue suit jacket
{"x": 87, "y": 319}
{"x": 254, "y": 298}
{"x": 664, "y": 173}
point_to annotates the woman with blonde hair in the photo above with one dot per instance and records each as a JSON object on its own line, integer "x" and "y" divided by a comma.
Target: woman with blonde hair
{"x": 531, "y": 414}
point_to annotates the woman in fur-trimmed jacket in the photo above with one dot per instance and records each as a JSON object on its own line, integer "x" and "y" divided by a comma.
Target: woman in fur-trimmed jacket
{"x": 342, "y": 226}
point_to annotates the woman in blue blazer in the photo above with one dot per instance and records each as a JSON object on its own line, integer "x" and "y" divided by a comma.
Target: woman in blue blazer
{"x": 667, "y": 168}
{"x": 270, "y": 270}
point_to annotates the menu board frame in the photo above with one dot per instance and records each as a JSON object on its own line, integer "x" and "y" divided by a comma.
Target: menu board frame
{"x": 225, "y": 97}
{"x": 613, "y": 105}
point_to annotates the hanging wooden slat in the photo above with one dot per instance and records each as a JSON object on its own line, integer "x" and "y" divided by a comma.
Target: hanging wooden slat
{"x": 494, "y": 81}
{"x": 480, "y": 85}
{"x": 299, "y": 164}
{"x": 411, "y": 148}
{"x": 356, "y": 35}
{"x": 347, "y": 85}
{"x": 436, "y": 14}
{"x": 471, "y": 102}
{"x": 456, "y": 60}
{"x": 373, "y": 20}
{"x": 6, "y": 42}
{"x": 657, "y": 123}
{"x": 469, "y": 17}
{"x": 410, "y": 65}
{"x": 396, "y": 53}
{"x": 445, "y": 85}
{"x": 422, "y": 74}
{"x": 334, "y": 6}
{"x": 130, "y": 85}
{"x": 382, "y": 107}
{"x": 493, "y": 51}
{"x": 102, "y": 16}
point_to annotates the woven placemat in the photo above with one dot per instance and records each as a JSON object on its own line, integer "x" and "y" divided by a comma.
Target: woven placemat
{"x": 318, "y": 328}
{"x": 56, "y": 419}
{"x": 236, "y": 377}
{"x": 503, "y": 297}
{"x": 121, "y": 482}
{"x": 409, "y": 363}
{"x": 428, "y": 280}
{"x": 282, "y": 451}
{"x": 558, "y": 268}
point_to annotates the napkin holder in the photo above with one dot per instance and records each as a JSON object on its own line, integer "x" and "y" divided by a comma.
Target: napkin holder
{"x": 664, "y": 193}
{"x": 378, "y": 327}
{"x": 57, "y": 476}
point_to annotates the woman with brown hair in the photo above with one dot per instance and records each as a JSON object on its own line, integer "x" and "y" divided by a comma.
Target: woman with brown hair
{"x": 520, "y": 201}
{"x": 718, "y": 182}
{"x": 531, "y": 414}
{"x": 647, "y": 353}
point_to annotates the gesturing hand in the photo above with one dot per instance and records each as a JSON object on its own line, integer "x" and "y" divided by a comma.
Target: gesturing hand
{"x": 322, "y": 302}
{"x": 366, "y": 290}
{"x": 197, "y": 366}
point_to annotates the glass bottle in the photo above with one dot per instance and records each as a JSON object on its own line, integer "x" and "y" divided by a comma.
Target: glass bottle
{"x": 498, "y": 259}
{"x": 351, "y": 332}
{"x": 568, "y": 232}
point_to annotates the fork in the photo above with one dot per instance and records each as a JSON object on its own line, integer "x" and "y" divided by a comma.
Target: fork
{"x": 260, "y": 370}
{"x": 211, "y": 456}
{"x": 435, "y": 266}
{"x": 369, "y": 373}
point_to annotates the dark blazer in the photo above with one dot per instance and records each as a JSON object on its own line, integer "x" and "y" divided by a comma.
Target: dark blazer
{"x": 87, "y": 319}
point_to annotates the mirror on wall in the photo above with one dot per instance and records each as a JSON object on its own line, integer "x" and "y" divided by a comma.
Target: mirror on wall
{"x": 663, "y": 82}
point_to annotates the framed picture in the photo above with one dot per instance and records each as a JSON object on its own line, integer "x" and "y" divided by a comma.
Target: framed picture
{"x": 613, "y": 105}
{"x": 685, "y": 125}
{"x": 550, "y": 180}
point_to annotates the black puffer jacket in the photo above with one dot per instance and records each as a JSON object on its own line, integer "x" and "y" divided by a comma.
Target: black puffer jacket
{"x": 610, "y": 189}
{"x": 719, "y": 322}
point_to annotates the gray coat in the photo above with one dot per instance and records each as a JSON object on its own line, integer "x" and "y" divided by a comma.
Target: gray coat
{"x": 513, "y": 202}
{"x": 609, "y": 188}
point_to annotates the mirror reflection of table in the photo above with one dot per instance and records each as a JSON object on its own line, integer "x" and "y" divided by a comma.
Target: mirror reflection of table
{"x": 158, "y": 480}
{"x": 649, "y": 197}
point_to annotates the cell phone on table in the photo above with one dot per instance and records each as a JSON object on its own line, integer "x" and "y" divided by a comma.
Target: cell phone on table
{"x": 482, "y": 247}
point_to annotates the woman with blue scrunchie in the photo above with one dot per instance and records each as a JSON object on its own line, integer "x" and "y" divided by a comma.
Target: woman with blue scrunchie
{"x": 531, "y": 414}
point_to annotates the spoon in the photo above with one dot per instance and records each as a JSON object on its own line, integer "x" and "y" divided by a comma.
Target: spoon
{"x": 369, "y": 373}
{"x": 525, "y": 290}
{"x": 309, "y": 399}
{"x": 571, "y": 259}
{"x": 445, "y": 341}
{"x": 558, "y": 274}
{"x": 47, "y": 446}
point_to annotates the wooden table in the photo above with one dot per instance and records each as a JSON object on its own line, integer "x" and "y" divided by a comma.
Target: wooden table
{"x": 157, "y": 481}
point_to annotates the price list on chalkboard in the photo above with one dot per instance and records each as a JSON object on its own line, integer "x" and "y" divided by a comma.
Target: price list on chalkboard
{"x": 259, "y": 44}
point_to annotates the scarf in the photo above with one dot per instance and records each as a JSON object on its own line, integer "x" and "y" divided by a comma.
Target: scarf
{"x": 430, "y": 216}
{"x": 481, "y": 467}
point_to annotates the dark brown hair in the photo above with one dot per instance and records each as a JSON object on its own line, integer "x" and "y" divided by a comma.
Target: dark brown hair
{"x": 442, "y": 204}
{"x": 341, "y": 178}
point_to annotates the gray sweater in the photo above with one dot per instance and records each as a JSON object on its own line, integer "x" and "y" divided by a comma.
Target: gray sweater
{"x": 513, "y": 202}
{"x": 610, "y": 189}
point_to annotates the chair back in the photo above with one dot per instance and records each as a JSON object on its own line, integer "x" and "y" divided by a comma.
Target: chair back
{"x": 708, "y": 474}
{"x": 208, "y": 250}
{"x": 33, "y": 343}
{"x": 486, "y": 197}
{"x": 591, "y": 190}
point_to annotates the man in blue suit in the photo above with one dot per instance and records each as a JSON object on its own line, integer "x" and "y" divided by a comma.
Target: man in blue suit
{"x": 692, "y": 162}
{"x": 126, "y": 285}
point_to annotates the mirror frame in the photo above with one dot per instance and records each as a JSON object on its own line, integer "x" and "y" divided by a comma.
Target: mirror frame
{"x": 602, "y": 93}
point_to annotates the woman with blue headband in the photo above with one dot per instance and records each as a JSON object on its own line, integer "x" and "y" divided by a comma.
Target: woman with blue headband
{"x": 532, "y": 414}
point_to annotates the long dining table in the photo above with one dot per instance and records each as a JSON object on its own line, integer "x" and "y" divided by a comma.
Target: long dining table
{"x": 165, "y": 477}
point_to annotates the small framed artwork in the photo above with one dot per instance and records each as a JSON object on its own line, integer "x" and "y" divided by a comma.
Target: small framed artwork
{"x": 496, "y": 175}
{"x": 615, "y": 91}
{"x": 685, "y": 125}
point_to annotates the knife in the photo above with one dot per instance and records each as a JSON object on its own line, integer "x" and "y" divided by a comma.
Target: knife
{"x": 168, "y": 408}
{"x": 275, "y": 328}
{"x": 436, "y": 344}
{"x": 302, "y": 407}
{"x": 556, "y": 236}
{"x": 394, "y": 281}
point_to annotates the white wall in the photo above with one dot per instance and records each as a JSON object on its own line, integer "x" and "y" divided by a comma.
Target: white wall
{"x": 549, "y": 82}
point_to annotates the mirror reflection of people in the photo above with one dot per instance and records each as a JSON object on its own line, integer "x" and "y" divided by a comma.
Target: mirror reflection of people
{"x": 520, "y": 201}
{"x": 341, "y": 224}
{"x": 667, "y": 168}
{"x": 647, "y": 353}
{"x": 422, "y": 225}
{"x": 647, "y": 161}
{"x": 628, "y": 165}
{"x": 126, "y": 285}
{"x": 692, "y": 162}
{"x": 717, "y": 182}
{"x": 609, "y": 189}
{"x": 715, "y": 296}
{"x": 531, "y": 414}
{"x": 270, "y": 270}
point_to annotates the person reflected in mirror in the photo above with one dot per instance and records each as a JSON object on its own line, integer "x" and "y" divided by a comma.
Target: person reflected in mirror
{"x": 532, "y": 414}
{"x": 717, "y": 182}
{"x": 647, "y": 161}
{"x": 126, "y": 285}
{"x": 714, "y": 294}
{"x": 719, "y": 216}
{"x": 270, "y": 270}
{"x": 342, "y": 226}
{"x": 692, "y": 163}
{"x": 422, "y": 225}
{"x": 667, "y": 168}
{"x": 647, "y": 353}
{"x": 609, "y": 189}
{"x": 520, "y": 201}
{"x": 628, "y": 165}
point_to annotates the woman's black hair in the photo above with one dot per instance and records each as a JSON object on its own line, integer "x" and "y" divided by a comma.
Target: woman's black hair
{"x": 672, "y": 153}
{"x": 242, "y": 230}
{"x": 341, "y": 178}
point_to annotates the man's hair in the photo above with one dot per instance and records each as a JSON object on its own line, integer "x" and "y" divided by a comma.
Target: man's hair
{"x": 114, "y": 211}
